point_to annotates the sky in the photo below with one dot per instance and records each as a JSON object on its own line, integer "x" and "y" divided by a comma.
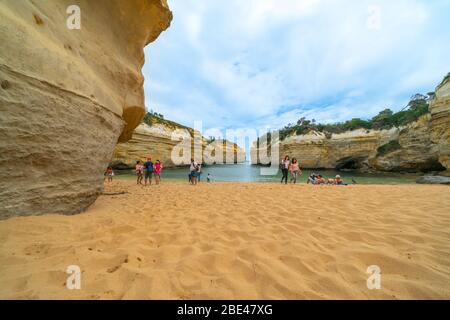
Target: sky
{"x": 266, "y": 63}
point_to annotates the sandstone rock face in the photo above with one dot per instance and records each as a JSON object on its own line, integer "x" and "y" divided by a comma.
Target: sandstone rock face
{"x": 347, "y": 150}
{"x": 417, "y": 153}
{"x": 67, "y": 97}
{"x": 157, "y": 141}
{"x": 440, "y": 122}
{"x": 358, "y": 149}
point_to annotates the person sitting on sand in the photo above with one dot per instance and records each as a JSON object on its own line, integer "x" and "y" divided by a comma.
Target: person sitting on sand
{"x": 312, "y": 178}
{"x": 331, "y": 181}
{"x": 157, "y": 167}
{"x": 319, "y": 180}
{"x": 139, "y": 169}
{"x": 295, "y": 170}
{"x": 338, "y": 181}
{"x": 148, "y": 166}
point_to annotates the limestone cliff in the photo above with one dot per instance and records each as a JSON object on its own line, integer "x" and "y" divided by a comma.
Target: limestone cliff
{"x": 415, "y": 153}
{"x": 67, "y": 96}
{"x": 157, "y": 141}
{"x": 422, "y": 145}
{"x": 440, "y": 122}
{"x": 360, "y": 149}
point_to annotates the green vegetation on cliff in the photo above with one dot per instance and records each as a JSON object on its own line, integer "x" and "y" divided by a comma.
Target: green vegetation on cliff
{"x": 446, "y": 78}
{"x": 389, "y": 147}
{"x": 386, "y": 119}
{"x": 151, "y": 118}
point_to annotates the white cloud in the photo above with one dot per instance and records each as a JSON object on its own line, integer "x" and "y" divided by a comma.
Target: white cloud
{"x": 267, "y": 62}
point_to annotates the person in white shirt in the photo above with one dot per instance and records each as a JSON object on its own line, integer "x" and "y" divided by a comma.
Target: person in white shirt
{"x": 193, "y": 172}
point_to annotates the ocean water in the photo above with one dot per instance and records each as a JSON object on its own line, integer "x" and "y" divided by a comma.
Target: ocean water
{"x": 249, "y": 173}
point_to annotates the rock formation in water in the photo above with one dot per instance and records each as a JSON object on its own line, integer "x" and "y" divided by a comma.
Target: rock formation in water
{"x": 67, "y": 96}
{"x": 158, "y": 142}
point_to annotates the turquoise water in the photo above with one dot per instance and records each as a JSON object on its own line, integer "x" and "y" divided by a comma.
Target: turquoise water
{"x": 248, "y": 173}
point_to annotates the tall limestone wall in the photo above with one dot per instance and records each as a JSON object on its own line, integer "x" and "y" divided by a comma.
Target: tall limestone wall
{"x": 358, "y": 149}
{"x": 158, "y": 142}
{"x": 68, "y": 96}
{"x": 440, "y": 122}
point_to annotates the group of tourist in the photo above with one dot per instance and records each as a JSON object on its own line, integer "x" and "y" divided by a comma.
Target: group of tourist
{"x": 145, "y": 171}
{"x": 293, "y": 167}
{"x": 318, "y": 179}
{"x": 195, "y": 172}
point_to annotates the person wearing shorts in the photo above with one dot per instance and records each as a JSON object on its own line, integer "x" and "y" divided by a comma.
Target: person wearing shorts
{"x": 157, "y": 167}
{"x": 148, "y": 166}
{"x": 139, "y": 169}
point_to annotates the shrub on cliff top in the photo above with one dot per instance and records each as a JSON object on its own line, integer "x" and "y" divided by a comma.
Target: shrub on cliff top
{"x": 152, "y": 118}
{"x": 389, "y": 147}
{"x": 386, "y": 119}
{"x": 446, "y": 78}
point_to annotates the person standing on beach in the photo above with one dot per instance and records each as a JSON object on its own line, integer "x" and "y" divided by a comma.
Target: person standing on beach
{"x": 285, "y": 169}
{"x": 148, "y": 166}
{"x": 157, "y": 171}
{"x": 139, "y": 172}
{"x": 193, "y": 170}
{"x": 295, "y": 170}
{"x": 109, "y": 173}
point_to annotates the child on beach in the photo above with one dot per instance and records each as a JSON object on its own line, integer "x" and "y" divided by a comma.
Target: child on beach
{"x": 209, "y": 178}
{"x": 312, "y": 178}
{"x": 109, "y": 174}
{"x": 157, "y": 171}
{"x": 139, "y": 169}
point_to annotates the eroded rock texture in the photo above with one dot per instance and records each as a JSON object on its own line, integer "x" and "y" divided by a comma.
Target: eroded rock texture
{"x": 67, "y": 97}
{"x": 359, "y": 149}
{"x": 417, "y": 152}
{"x": 158, "y": 142}
{"x": 440, "y": 123}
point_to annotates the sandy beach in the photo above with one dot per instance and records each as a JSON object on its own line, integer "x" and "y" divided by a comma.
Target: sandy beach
{"x": 235, "y": 241}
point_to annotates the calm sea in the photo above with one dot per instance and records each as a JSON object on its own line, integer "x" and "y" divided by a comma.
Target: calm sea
{"x": 248, "y": 173}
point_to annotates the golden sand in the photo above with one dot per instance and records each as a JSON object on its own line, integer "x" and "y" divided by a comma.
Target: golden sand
{"x": 236, "y": 241}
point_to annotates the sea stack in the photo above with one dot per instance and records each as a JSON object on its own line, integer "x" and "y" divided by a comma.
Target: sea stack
{"x": 67, "y": 97}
